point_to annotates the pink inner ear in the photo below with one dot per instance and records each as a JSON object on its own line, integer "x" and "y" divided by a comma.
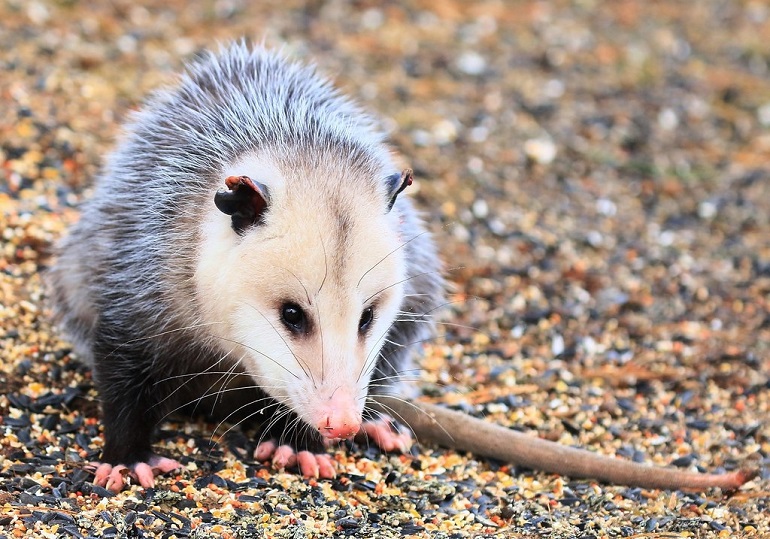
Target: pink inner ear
{"x": 255, "y": 193}
{"x": 233, "y": 182}
{"x": 406, "y": 180}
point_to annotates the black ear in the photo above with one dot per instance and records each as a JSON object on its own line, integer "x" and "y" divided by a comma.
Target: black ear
{"x": 245, "y": 201}
{"x": 397, "y": 183}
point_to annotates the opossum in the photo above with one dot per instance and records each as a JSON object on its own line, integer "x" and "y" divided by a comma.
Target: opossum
{"x": 246, "y": 255}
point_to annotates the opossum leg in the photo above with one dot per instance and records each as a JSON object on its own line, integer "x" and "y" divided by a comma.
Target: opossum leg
{"x": 130, "y": 415}
{"x": 386, "y": 435}
{"x": 317, "y": 465}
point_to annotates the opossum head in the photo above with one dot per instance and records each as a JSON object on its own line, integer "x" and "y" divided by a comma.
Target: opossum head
{"x": 300, "y": 278}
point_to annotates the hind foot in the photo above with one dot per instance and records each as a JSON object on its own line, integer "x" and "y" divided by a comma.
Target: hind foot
{"x": 316, "y": 465}
{"x": 385, "y": 434}
{"x": 116, "y": 478}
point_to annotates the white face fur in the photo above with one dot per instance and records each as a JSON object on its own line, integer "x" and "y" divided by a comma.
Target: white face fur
{"x": 305, "y": 300}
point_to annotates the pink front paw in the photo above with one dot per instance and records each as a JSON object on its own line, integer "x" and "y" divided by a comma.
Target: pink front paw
{"x": 386, "y": 435}
{"x": 115, "y": 478}
{"x": 315, "y": 465}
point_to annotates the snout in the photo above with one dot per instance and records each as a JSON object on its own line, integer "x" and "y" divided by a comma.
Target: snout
{"x": 339, "y": 417}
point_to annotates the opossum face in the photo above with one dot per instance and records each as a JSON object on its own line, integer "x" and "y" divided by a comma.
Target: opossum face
{"x": 302, "y": 291}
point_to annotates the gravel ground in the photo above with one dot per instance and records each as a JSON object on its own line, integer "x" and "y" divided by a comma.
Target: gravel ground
{"x": 597, "y": 177}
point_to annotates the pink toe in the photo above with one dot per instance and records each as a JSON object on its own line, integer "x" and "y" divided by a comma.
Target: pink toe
{"x": 405, "y": 442}
{"x": 264, "y": 451}
{"x": 163, "y": 465}
{"x": 380, "y": 434}
{"x": 144, "y": 475}
{"x": 115, "y": 481}
{"x": 325, "y": 467}
{"x": 308, "y": 466}
{"x": 284, "y": 457}
{"x": 102, "y": 474}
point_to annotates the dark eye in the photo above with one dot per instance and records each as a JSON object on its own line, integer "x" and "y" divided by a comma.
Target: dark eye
{"x": 366, "y": 319}
{"x": 293, "y": 317}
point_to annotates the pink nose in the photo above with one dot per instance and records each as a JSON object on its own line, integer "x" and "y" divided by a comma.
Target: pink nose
{"x": 338, "y": 417}
{"x": 338, "y": 427}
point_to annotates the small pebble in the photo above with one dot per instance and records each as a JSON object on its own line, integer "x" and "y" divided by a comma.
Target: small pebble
{"x": 471, "y": 63}
{"x": 540, "y": 150}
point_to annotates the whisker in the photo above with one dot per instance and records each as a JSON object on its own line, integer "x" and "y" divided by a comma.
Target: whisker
{"x": 326, "y": 264}
{"x": 308, "y": 372}
{"x": 261, "y": 354}
{"x": 203, "y": 373}
{"x": 198, "y": 400}
{"x": 391, "y": 411}
{"x": 373, "y": 353}
{"x": 188, "y": 375}
{"x": 448, "y": 324}
{"x": 299, "y": 360}
{"x": 389, "y": 385}
{"x": 307, "y": 294}
{"x": 275, "y": 402}
{"x": 415, "y": 276}
{"x": 404, "y": 244}
{"x": 225, "y": 378}
{"x": 296, "y": 423}
{"x": 234, "y": 425}
{"x": 171, "y": 331}
{"x": 397, "y": 374}
{"x": 157, "y": 335}
{"x": 430, "y": 311}
{"x": 282, "y": 412}
{"x": 384, "y": 417}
